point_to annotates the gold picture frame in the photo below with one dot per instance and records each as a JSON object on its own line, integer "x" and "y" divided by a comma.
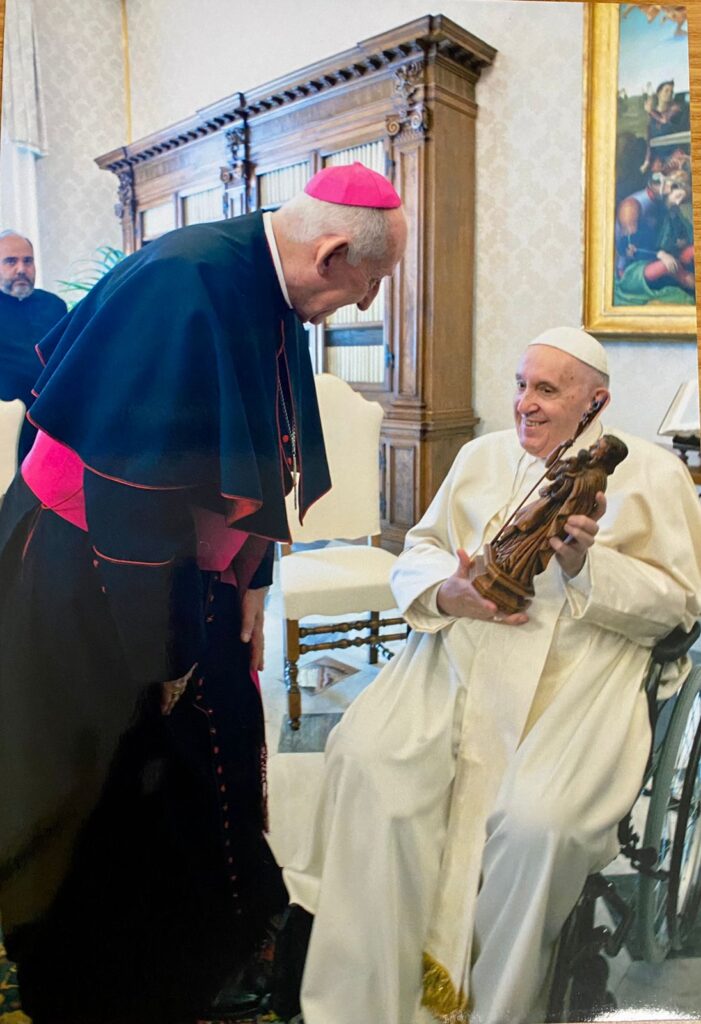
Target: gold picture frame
{"x": 602, "y": 315}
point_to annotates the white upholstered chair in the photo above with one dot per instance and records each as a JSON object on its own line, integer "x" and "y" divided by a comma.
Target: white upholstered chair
{"x": 11, "y": 420}
{"x": 348, "y": 579}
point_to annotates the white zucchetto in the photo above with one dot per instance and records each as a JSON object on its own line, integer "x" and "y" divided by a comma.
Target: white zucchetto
{"x": 577, "y": 343}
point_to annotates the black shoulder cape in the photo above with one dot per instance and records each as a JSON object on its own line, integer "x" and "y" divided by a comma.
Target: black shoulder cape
{"x": 167, "y": 375}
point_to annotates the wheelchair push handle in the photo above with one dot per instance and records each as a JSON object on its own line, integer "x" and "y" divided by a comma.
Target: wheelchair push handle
{"x": 675, "y": 645}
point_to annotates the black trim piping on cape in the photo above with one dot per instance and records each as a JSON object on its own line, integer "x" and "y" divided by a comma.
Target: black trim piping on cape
{"x": 165, "y": 376}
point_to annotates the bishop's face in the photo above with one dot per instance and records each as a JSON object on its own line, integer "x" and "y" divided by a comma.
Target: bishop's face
{"x": 335, "y": 283}
{"x": 345, "y": 286}
{"x": 553, "y": 391}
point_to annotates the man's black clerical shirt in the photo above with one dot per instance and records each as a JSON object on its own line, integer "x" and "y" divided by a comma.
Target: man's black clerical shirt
{"x": 23, "y": 323}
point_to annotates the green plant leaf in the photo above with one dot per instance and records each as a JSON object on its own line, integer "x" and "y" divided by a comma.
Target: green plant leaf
{"x": 88, "y": 271}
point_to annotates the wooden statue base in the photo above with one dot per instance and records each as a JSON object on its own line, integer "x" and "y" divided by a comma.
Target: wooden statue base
{"x": 494, "y": 585}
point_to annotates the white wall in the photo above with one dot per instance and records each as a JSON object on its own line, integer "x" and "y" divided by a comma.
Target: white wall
{"x": 80, "y": 51}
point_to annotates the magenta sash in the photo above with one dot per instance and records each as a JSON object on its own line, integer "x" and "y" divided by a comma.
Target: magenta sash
{"x": 54, "y": 473}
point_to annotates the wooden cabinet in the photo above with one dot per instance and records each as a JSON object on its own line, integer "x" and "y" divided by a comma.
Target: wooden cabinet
{"x": 403, "y": 103}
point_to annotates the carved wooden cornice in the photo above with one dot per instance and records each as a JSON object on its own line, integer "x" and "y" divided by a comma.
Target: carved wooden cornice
{"x": 430, "y": 38}
{"x": 180, "y": 134}
{"x": 318, "y": 79}
{"x": 412, "y": 116}
{"x": 126, "y": 200}
{"x": 237, "y": 145}
{"x": 238, "y": 171}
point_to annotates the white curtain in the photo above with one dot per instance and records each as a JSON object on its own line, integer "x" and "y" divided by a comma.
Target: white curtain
{"x": 23, "y": 136}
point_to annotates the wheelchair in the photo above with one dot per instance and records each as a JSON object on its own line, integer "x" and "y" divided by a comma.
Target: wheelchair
{"x": 667, "y": 859}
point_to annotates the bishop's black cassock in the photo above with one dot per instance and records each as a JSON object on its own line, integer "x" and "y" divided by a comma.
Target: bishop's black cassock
{"x": 134, "y": 873}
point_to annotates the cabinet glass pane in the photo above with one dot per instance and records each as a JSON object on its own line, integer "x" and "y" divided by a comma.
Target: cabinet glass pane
{"x": 276, "y": 187}
{"x": 356, "y": 354}
{"x": 157, "y": 220}
{"x": 349, "y": 315}
{"x": 372, "y": 154}
{"x": 200, "y": 207}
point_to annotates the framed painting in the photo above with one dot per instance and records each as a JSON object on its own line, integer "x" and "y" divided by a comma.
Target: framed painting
{"x": 638, "y": 237}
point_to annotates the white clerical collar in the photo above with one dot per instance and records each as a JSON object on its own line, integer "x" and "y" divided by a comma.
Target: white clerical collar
{"x": 272, "y": 244}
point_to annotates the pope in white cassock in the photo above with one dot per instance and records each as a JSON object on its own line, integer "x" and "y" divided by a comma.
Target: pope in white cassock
{"x": 476, "y": 783}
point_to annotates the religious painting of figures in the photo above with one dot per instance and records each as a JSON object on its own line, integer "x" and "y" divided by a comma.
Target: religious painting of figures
{"x": 639, "y": 240}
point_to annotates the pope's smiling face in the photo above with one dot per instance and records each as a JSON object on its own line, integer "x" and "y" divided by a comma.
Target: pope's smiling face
{"x": 553, "y": 391}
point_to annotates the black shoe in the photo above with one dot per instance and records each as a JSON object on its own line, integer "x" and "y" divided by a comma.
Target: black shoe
{"x": 290, "y": 956}
{"x": 232, "y": 1003}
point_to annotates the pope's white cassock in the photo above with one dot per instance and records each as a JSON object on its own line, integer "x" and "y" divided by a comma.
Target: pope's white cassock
{"x": 475, "y": 784}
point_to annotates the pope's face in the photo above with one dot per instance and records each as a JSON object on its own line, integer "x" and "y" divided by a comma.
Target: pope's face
{"x": 553, "y": 391}
{"x": 17, "y": 271}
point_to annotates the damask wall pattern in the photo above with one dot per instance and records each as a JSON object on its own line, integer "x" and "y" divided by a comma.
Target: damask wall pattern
{"x": 529, "y": 156}
{"x": 529, "y": 200}
{"x": 80, "y": 49}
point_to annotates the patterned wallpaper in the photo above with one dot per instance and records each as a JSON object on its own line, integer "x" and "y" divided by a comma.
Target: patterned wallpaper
{"x": 529, "y": 177}
{"x": 529, "y": 215}
{"x": 187, "y": 53}
{"x": 83, "y": 77}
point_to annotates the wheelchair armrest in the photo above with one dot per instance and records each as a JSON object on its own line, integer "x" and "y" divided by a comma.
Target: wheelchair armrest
{"x": 675, "y": 644}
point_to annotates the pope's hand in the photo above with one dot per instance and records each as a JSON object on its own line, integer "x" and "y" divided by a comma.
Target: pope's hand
{"x": 458, "y": 598}
{"x": 572, "y": 552}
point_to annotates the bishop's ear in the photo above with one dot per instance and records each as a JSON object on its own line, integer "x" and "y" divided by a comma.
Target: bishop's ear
{"x": 331, "y": 249}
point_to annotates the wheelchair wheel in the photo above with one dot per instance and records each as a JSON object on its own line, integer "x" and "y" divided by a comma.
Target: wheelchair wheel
{"x": 589, "y": 995}
{"x": 685, "y": 872}
{"x": 657, "y": 910}
{"x": 586, "y": 995}
{"x": 579, "y": 983}
{"x": 561, "y": 984}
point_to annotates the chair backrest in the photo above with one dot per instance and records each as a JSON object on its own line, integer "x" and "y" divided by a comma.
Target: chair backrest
{"x": 11, "y": 420}
{"x": 351, "y": 509}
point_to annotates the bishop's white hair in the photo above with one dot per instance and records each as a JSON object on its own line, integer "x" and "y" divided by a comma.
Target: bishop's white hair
{"x": 304, "y": 219}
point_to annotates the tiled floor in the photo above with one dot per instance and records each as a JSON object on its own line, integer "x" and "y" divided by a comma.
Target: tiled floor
{"x": 671, "y": 989}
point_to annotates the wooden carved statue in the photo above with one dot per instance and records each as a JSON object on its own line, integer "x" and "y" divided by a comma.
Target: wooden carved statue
{"x": 522, "y": 548}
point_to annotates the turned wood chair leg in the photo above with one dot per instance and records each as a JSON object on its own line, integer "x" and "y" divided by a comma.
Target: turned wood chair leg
{"x": 374, "y": 632}
{"x": 294, "y": 695}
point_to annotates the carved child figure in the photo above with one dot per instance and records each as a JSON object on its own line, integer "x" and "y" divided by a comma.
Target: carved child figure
{"x": 522, "y": 547}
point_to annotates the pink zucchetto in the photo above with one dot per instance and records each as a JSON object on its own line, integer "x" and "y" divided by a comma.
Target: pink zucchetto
{"x": 353, "y": 185}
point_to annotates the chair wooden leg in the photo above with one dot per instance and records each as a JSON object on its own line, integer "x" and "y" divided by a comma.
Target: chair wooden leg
{"x": 294, "y": 695}
{"x": 374, "y": 631}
